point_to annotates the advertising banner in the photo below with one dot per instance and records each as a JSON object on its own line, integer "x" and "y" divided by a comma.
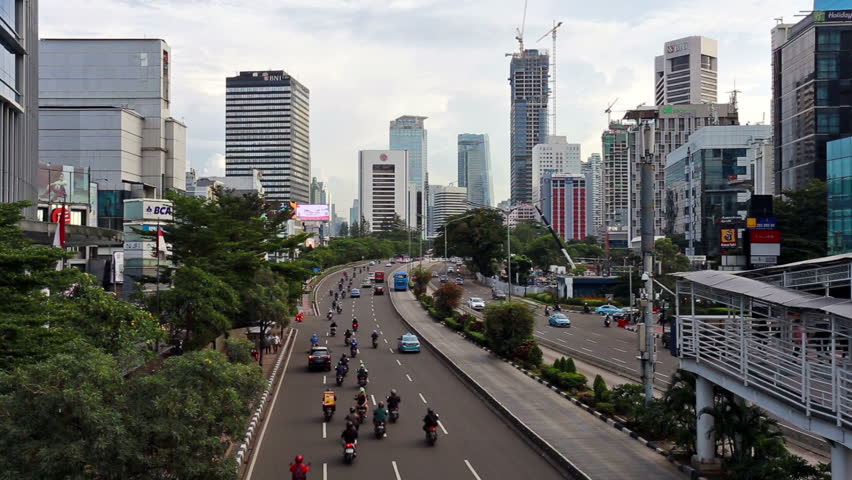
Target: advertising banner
{"x": 312, "y": 213}
{"x": 118, "y": 267}
{"x": 765, "y": 236}
{"x": 728, "y": 238}
{"x": 762, "y": 223}
{"x": 63, "y": 184}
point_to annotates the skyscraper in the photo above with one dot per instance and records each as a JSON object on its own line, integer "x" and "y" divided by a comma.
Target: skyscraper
{"x": 616, "y": 152}
{"x": 687, "y": 72}
{"x": 528, "y": 78}
{"x": 556, "y": 155}
{"x": 19, "y": 103}
{"x": 474, "y": 168}
{"x": 445, "y": 202}
{"x": 383, "y": 187}
{"x": 565, "y": 202}
{"x": 267, "y": 128}
{"x": 409, "y": 133}
{"x": 593, "y": 172}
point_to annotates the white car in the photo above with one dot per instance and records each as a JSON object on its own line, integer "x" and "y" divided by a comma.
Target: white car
{"x": 388, "y": 265}
{"x": 476, "y": 303}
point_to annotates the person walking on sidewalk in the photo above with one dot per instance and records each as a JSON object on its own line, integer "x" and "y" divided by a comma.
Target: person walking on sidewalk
{"x": 276, "y": 342}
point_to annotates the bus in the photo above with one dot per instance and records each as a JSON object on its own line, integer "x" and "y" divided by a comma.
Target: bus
{"x": 379, "y": 276}
{"x": 400, "y": 281}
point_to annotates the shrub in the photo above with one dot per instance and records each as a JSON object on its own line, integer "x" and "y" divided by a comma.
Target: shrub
{"x": 528, "y": 353}
{"x": 628, "y": 399}
{"x": 475, "y": 325}
{"x": 563, "y": 380}
{"x": 599, "y": 387}
{"x": 606, "y": 408}
{"x": 587, "y": 398}
{"x": 448, "y": 297}
{"x": 507, "y": 325}
{"x": 426, "y": 301}
{"x": 434, "y": 314}
{"x": 452, "y": 323}
{"x": 477, "y": 338}
{"x": 568, "y": 366}
{"x": 239, "y": 350}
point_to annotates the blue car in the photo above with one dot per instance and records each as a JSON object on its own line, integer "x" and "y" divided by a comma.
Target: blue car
{"x": 559, "y": 320}
{"x": 355, "y": 293}
{"x": 409, "y": 343}
{"x": 607, "y": 310}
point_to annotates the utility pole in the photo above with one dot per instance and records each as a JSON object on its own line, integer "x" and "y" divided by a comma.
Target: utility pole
{"x": 647, "y": 344}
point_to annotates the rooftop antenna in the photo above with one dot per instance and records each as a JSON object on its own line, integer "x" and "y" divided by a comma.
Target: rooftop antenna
{"x": 733, "y": 98}
{"x": 552, "y": 32}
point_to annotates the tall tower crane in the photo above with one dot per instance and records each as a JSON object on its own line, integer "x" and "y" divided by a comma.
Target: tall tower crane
{"x": 608, "y": 112}
{"x": 519, "y": 36}
{"x": 552, "y": 32}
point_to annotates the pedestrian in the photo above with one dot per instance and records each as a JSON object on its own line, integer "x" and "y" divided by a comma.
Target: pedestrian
{"x": 255, "y": 354}
{"x": 267, "y": 344}
{"x": 276, "y": 342}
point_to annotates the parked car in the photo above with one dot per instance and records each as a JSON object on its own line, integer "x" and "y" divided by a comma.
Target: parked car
{"x": 372, "y": 262}
{"x": 607, "y": 310}
{"x": 497, "y": 294}
{"x": 367, "y": 284}
{"x": 476, "y": 303}
{"x": 409, "y": 342}
{"x": 355, "y": 293}
{"x": 558, "y": 319}
{"x": 319, "y": 358}
{"x": 434, "y": 274}
{"x": 379, "y": 290}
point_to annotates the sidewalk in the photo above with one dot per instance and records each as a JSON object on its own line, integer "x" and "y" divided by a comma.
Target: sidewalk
{"x": 595, "y": 447}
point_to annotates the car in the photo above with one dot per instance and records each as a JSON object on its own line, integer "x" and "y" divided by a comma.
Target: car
{"x": 409, "y": 342}
{"x": 434, "y": 274}
{"x": 497, "y": 294}
{"x": 319, "y": 358}
{"x": 444, "y": 279}
{"x": 367, "y": 284}
{"x": 459, "y": 281}
{"x": 607, "y": 310}
{"x": 355, "y": 293}
{"x": 558, "y": 319}
{"x": 476, "y": 303}
{"x": 388, "y": 264}
{"x": 379, "y": 291}
{"x": 451, "y": 270}
{"x": 372, "y": 262}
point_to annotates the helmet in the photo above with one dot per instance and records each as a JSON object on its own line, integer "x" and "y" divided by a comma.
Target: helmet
{"x": 430, "y": 411}
{"x": 381, "y": 404}
{"x": 350, "y": 424}
{"x": 361, "y": 390}
{"x": 393, "y": 391}
{"x": 343, "y": 356}
{"x": 351, "y": 409}
{"x": 300, "y": 459}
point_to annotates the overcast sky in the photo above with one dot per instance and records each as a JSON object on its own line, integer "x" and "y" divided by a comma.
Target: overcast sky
{"x": 369, "y": 61}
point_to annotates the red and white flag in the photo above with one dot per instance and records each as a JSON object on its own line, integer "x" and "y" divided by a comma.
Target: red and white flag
{"x": 59, "y": 237}
{"x": 162, "y": 249}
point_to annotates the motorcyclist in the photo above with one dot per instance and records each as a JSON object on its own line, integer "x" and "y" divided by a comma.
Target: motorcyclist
{"x": 334, "y": 305}
{"x": 354, "y": 324}
{"x": 344, "y": 360}
{"x": 350, "y": 435}
{"x": 330, "y": 314}
{"x": 347, "y": 335}
{"x": 299, "y": 468}
{"x": 430, "y": 420}
{"x": 375, "y": 336}
{"x": 341, "y": 368}
{"x": 329, "y": 399}
{"x": 353, "y": 417}
{"x": 393, "y": 400}
{"x": 333, "y": 327}
{"x": 608, "y": 319}
{"x": 314, "y": 339}
{"x": 330, "y": 292}
{"x": 353, "y": 346}
{"x": 362, "y": 370}
{"x": 380, "y": 414}
{"x": 586, "y": 308}
{"x": 361, "y": 398}
{"x": 339, "y": 309}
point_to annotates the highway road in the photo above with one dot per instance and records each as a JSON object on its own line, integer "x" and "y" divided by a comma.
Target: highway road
{"x": 474, "y": 443}
{"x": 602, "y": 346}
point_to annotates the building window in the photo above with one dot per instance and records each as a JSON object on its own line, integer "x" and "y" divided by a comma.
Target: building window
{"x": 828, "y": 121}
{"x": 828, "y": 39}
{"x": 679, "y": 63}
{"x": 826, "y": 66}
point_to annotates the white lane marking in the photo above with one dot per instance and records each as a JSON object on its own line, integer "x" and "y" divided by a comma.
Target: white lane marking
{"x": 391, "y": 350}
{"x": 324, "y": 471}
{"x": 323, "y": 429}
{"x": 442, "y": 427}
{"x": 469, "y": 467}
{"x": 586, "y": 349}
{"x": 323, "y": 379}
{"x": 590, "y": 340}
{"x": 569, "y": 334}
{"x": 421, "y": 397}
{"x": 271, "y": 409}
{"x": 597, "y": 334}
{"x": 398, "y": 362}
{"x": 396, "y": 471}
{"x": 622, "y": 341}
{"x": 563, "y": 341}
{"x": 408, "y": 377}
{"x": 373, "y": 398}
{"x": 620, "y": 350}
{"x": 619, "y": 360}
{"x": 538, "y": 331}
{"x": 660, "y": 374}
{"x": 385, "y": 339}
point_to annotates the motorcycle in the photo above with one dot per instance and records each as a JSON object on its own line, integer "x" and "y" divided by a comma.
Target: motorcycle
{"x": 330, "y": 315}
{"x": 347, "y": 340}
{"x": 362, "y": 380}
{"x": 607, "y": 322}
{"x": 375, "y": 342}
{"x": 394, "y": 414}
{"x": 355, "y": 327}
{"x": 353, "y": 351}
{"x": 327, "y": 412}
{"x": 379, "y": 429}
{"x": 431, "y": 435}
{"x": 362, "y": 411}
{"x": 332, "y": 331}
{"x": 349, "y": 453}
{"x": 339, "y": 309}
{"x": 339, "y": 379}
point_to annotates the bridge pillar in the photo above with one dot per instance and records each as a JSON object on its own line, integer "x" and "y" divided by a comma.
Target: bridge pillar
{"x": 841, "y": 461}
{"x": 705, "y": 444}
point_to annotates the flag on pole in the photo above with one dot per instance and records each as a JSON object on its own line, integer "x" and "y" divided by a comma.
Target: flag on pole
{"x": 59, "y": 237}
{"x": 162, "y": 250}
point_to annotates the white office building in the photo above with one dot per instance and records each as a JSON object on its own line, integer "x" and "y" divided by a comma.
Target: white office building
{"x": 554, "y": 157}
{"x": 687, "y": 72}
{"x": 445, "y": 202}
{"x": 383, "y": 187}
{"x": 593, "y": 171}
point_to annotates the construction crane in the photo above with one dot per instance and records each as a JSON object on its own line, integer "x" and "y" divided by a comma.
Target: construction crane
{"x": 552, "y": 32}
{"x": 608, "y": 112}
{"x": 556, "y": 237}
{"x": 520, "y": 31}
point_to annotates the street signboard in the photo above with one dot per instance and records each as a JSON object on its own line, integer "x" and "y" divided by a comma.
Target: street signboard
{"x": 728, "y": 237}
{"x": 765, "y": 236}
{"x": 764, "y": 260}
{"x": 761, "y": 223}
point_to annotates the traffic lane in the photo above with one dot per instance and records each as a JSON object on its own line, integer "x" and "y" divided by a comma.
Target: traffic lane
{"x": 296, "y": 425}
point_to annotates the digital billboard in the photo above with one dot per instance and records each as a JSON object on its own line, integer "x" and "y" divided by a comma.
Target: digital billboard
{"x": 312, "y": 213}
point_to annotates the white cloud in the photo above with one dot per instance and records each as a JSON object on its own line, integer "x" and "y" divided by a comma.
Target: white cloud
{"x": 369, "y": 61}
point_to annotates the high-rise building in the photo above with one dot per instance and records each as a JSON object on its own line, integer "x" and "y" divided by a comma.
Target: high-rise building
{"x": 811, "y": 74}
{"x": 687, "y": 72}
{"x": 383, "y": 187}
{"x": 408, "y": 133}
{"x": 556, "y": 155}
{"x": 474, "y": 168}
{"x": 267, "y": 128}
{"x": 445, "y": 202}
{"x": 528, "y": 77}
{"x": 354, "y": 213}
{"x": 709, "y": 182}
{"x": 106, "y": 104}
{"x": 614, "y": 169}
{"x": 565, "y": 203}
{"x": 19, "y": 102}
{"x": 593, "y": 171}
{"x": 839, "y": 182}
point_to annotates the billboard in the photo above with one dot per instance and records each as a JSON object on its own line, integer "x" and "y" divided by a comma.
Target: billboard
{"x": 728, "y": 237}
{"x": 63, "y": 184}
{"x": 312, "y": 212}
{"x": 765, "y": 236}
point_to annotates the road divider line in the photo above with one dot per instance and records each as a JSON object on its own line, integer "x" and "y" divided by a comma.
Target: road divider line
{"x": 391, "y": 350}
{"x": 396, "y": 471}
{"x": 398, "y": 362}
{"x": 590, "y": 340}
{"x": 385, "y": 339}
{"x": 619, "y": 360}
{"x": 538, "y": 331}
{"x": 323, "y": 429}
{"x": 586, "y": 349}
{"x": 324, "y": 471}
{"x": 561, "y": 341}
{"x": 323, "y": 379}
{"x": 662, "y": 375}
{"x": 373, "y": 398}
{"x": 421, "y": 397}
{"x": 442, "y": 427}
{"x": 569, "y": 334}
{"x": 598, "y": 334}
{"x": 408, "y": 377}
{"x": 470, "y": 467}
{"x": 620, "y": 350}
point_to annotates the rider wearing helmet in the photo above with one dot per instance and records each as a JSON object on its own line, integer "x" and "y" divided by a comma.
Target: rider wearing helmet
{"x": 329, "y": 399}
{"x": 380, "y": 414}
{"x": 362, "y": 369}
{"x": 353, "y": 417}
{"x": 299, "y": 468}
{"x": 393, "y": 399}
{"x": 430, "y": 420}
{"x": 375, "y": 335}
{"x": 350, "y": 435}
{"x": 314, "y": 339}
{"x": 361, "y": 398}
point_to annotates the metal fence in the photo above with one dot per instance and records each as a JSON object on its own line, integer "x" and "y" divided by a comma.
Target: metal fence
{"x": 826, "y": 276}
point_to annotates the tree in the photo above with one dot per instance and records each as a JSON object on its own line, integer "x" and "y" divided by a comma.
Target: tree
{"x": 801, "y": 216}
{"x": 344, "y": 230}
{"x": 507, "y": 325}
{"x": 447, "y": 298}
{"x": 544, "y": 252}
{"x": 265, "y": 305}
{"x": 480, "y": 237}
{"x": 521, "y": 268}
{"x": 355, "y": 230}
{"x": 421, "y": 278}
{"x": 668, "y": 254}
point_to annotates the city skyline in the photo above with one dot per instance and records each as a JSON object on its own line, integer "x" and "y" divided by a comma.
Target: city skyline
{"x": 425, "y": 85}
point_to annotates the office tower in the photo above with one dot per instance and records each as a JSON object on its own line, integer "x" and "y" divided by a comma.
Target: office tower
{"x": 19, "y": 103}
{"x": 445, "y": 201}
{"x": 383, "y": 187}
{"x": 354, "y": 213}
{"x": 409, "y": 133}
{"x": 811, "y": 74}
{"x": 267, "y": 127}
{"x": 528, "y": 77}
{"x": 565, "y": 203}
{"x": 112, "y": 97}
{"x": 839, "y": 179}
{"x": 709, "y": 182}
{"x": 687, "y": 72}
{"x": 555, "y": 155}
{"x": 616, "y": 151}
{"x": 593, "y": 171}
{"x": 474, "y": 168}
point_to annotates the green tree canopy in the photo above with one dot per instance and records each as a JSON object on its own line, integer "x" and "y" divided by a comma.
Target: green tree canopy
{"x": 801, "y": 216}
{"x": 448, "y": 297}
{"x": 507, "y": 325}
{"x": 668, "y": 254}
{"x": 480, "y": 237}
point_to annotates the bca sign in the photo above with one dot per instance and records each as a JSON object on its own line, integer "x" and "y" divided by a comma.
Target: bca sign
{"x": 157, "y": 210}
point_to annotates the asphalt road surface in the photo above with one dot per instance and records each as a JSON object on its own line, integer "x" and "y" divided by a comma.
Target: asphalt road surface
{"x": 607, "y": 346}
{"x": 473, "y": 442}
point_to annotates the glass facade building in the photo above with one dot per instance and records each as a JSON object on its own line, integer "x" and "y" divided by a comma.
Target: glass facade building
{"x": 474, "y": 168}
{"x": 267, "y": 128}
{"x": 839, "y": 172}
{"x": 408, "y": 133}
{"x": 528, "y": 77}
